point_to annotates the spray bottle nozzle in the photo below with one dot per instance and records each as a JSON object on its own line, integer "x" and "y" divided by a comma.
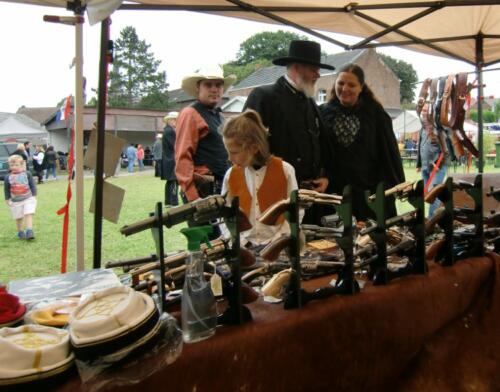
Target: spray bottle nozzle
{"x": 196, "y": 235}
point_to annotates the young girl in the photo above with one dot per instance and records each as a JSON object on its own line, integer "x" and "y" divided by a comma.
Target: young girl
{"x": 258, "y": 178}
{"x": 20, "y": 196}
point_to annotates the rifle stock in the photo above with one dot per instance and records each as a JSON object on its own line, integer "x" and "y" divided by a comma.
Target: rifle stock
{"x": 432, "y": 250}
{"x": 434, "y": 193}
{"x": 270, "y": 215}
{"x": 430, "y": 223}
{"x": 272, "y": 250}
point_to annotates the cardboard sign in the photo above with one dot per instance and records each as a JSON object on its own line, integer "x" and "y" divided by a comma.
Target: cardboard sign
{"x": 113, "y": 147}
{"x": 112, "y": 200}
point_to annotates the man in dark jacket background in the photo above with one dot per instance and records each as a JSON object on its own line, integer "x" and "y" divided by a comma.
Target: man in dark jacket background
{"x": 168, "y": 160}
{"x": 290, "y": 112}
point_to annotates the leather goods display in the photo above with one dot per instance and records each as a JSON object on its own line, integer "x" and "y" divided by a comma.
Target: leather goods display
{"x": 441, "y": 110}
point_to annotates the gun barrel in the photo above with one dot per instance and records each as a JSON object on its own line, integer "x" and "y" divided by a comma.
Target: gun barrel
{"x": 131, "y": 262}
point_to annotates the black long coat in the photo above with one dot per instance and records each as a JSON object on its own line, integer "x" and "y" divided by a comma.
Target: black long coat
{"x": 295, "y": 128}
{"x": 168, "y": 154}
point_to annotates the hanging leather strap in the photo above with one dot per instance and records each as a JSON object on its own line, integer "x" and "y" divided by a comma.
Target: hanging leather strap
{"x": 446, "y": 101}
{"x": 422, "y": 97}
{"x": 458, "y": 113}
{"x": 432, "y": 100}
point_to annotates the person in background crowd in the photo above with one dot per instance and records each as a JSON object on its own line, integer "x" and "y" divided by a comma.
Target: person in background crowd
{"x": 140, "y": 157}
{"x": 289, "y": 111}
{"x": 27, "y": 148}
{"x": 157, "y": 154}
{"x": 131, "y": 155}
{"x": 360, "y": 135}
{"x": 258, "y": 178}
{"x": 428, "y": 153}
{"x": 50, "y": 159}
{"x": 200, "y": 157}
{"x": 20, "y": 196}
{"x": 38, "y": 156}
{"x": 168, "y": 160}
{"x": 21, "y": 151}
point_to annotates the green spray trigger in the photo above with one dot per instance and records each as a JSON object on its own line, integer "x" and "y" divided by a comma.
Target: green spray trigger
{"x": 196, "y": 235}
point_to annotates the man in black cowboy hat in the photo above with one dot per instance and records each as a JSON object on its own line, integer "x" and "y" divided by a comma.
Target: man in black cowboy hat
{"x": 289, "y": 111}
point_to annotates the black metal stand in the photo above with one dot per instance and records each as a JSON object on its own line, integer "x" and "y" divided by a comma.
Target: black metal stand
{"x": 379, "y": 272}
{"x": 295, "y": 296}
{"x": 236, "y": 312}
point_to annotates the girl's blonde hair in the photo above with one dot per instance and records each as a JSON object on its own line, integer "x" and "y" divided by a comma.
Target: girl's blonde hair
{"x": 248, "y": 130}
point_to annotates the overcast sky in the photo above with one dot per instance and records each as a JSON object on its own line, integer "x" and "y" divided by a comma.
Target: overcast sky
{"x": 36, "y": 56}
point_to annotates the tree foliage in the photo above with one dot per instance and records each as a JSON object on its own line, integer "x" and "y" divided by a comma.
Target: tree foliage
{"x": 406, "y": 74}
{"x": 135, "y": 80}
{"x": 242, "y": 71}
{"x": 488, "y": 116}
{"x": 265, "y": 46}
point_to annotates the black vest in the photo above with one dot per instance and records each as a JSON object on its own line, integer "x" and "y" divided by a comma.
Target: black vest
{"x": 211, "y": 151}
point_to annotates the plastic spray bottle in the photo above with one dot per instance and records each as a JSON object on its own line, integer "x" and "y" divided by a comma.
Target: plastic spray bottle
{"x": 198, "y": 309}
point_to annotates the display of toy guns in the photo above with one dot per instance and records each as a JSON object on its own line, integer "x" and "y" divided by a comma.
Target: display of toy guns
{"x": 217, "y": 251}
{"x": 404, "y": 246}
{"x": 308, "y": 266}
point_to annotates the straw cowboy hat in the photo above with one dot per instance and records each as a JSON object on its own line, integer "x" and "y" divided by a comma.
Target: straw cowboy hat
{"x": 170, "y": 116}
{"x": 304, "y": 52}
{"x": 210, "y": 72}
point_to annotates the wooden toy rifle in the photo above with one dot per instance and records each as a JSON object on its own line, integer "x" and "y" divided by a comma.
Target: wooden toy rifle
{"x": 201, "y": 210}
{"x": 306, "y": 199}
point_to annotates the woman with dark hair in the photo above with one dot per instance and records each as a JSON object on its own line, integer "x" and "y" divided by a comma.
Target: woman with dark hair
{"x": 363, "y": 144}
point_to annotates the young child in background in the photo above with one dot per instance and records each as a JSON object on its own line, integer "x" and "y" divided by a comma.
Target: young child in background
{"x": 20, "y": 196}
{"x": 258, "y": 178}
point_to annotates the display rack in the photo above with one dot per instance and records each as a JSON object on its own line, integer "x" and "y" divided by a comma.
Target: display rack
{"x": 413, "y": 249}
{"x": 236, "y": 312}
{"x": 295, "y": 296}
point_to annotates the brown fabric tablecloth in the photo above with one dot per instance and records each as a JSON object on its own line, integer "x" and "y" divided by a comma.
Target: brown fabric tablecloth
{"x": 439, "y": 332}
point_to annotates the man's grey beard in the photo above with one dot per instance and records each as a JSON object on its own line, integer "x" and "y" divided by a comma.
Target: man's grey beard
{"x": 309, "y": 89}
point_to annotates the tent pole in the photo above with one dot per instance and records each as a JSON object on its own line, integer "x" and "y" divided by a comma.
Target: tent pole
{"x": 80, "y": 235}
{"x": 479, "y": 75}
{"x": 101, "y": 124}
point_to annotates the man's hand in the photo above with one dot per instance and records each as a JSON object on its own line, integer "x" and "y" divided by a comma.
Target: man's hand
{"x": 320, "y": 184}
{"x": 418, "y": 169}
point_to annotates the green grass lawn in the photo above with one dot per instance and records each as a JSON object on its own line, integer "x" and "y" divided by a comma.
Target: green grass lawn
{"x": 41, "y": 257}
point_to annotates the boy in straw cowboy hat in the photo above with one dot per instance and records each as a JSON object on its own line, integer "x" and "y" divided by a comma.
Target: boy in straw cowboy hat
{"x": 289, "y": 111}
{"x": 168, "y": 159}
{"x": 200, "y": 156}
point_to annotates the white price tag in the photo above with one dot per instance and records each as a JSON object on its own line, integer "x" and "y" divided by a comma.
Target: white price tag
{"x": 216, "y": 284}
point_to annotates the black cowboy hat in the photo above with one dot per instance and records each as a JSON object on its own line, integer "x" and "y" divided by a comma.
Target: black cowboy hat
{"x": 304, "y": 52}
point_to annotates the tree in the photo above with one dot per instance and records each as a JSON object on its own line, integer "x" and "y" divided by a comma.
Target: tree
{"x": 406, "y": 74}
{"x": 242, "y": 71}
{"x": 135, "y": 80}
{"x": 265, "y": 46}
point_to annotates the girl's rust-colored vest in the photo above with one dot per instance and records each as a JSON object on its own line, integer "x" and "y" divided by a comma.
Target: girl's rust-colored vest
{"x": 273, "y": 188}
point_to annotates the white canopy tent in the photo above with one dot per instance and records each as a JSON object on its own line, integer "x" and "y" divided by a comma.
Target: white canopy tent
{"x": 467, "y": 30}
{"x": 20, "y": 127}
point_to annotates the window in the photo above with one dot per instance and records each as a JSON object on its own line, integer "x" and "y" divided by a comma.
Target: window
{"x": 321, "y": 96}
